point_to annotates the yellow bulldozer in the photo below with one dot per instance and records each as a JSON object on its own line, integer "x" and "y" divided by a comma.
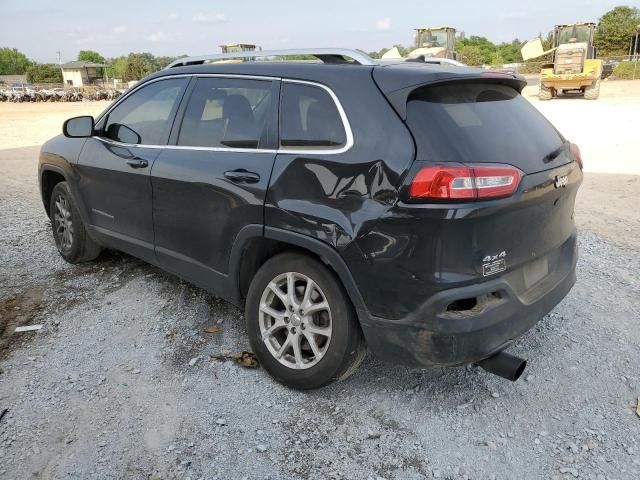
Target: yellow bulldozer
{"x": 575, "y": 66}
{"x": 430, "y": 42}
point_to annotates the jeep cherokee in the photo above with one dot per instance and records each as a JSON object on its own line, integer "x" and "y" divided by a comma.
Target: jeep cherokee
{"x": 422, "y": 210}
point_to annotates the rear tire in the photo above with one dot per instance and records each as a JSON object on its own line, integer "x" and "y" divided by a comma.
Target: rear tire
{"x": 545, "y": 93}
{"x": 592, "y": 92}
{"x": 282, "y": 327}
{"x": 71, "y": 237}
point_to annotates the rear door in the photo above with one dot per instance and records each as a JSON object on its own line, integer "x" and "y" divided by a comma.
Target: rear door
{"x": 114, "y": 166}
{"x": 212, "y": 180}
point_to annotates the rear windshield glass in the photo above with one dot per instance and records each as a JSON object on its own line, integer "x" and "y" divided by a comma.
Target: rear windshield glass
{"x": 478, "y": 123}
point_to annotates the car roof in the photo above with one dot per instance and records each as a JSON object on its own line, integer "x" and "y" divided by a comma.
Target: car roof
{"x": 312, "y": 70}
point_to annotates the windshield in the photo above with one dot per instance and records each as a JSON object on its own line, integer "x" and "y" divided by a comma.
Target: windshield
{"x": 580, "y": 33}
{"x": 432, "y": 38}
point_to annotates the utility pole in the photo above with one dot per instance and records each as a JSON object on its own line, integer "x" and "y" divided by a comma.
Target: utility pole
{"x": 635, "y": 52}
{"x": 59, "y": 53}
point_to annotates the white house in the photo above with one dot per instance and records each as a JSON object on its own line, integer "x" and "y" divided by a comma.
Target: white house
{"x": 79, "y": 73}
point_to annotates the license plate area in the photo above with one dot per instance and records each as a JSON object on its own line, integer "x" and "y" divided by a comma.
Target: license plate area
{"x": 535, "y": 271}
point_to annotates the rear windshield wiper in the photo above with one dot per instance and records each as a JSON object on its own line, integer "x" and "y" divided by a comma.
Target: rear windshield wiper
{"x": 550, "y": 157}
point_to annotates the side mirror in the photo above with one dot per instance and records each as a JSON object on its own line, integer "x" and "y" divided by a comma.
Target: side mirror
{"x": 78, "y": 127}
{"x": 123, "y": 134}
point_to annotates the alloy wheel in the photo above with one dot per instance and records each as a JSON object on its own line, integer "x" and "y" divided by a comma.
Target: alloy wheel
{"x": 62, "y": 224}
{"x": 295, "y": 320}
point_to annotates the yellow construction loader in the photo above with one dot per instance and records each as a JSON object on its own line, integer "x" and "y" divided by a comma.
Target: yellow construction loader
{"x": 575, "y": 66}
{"x": 237, "y": 47}
{"x": 430, "y": 42}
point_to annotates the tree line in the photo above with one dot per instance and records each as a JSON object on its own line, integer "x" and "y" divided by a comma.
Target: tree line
{"x": 126, "y": 68}
{"x": 614, "y": 31}
{"x": 474, "y": 50}
{"x": 613, "y": 34}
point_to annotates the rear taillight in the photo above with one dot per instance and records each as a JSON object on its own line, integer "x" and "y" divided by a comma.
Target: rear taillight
{"x": 576, "y": 154}
{"x": 476, "y": 182}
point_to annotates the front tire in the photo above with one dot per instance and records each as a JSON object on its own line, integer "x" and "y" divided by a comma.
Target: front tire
{"x": 301, "y": 324}
{"x": 592, "y": 92}
{"x": 545, "y": 93}
{"x": 71, "y": 237}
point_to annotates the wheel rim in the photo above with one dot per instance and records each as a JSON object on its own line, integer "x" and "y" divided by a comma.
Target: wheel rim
{"x": 62, "y": 224}
{"x": 295, "y": 320}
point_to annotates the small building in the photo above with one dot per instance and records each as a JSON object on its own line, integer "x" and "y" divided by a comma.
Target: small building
{"x": 237, "y": 47}
{"x": 79, "y": 73}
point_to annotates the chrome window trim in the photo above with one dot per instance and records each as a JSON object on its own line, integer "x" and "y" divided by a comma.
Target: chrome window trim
{"x": 280, "y": 150}
{"x": 184, "y": 147}
{"x": 343, "y": 116}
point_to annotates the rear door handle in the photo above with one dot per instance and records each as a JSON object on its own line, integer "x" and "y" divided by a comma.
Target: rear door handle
{"x": 137, "y": 163}
{"x": 242, "y": 176}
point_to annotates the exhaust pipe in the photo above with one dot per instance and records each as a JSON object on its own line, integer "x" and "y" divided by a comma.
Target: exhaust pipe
{"x": 504, "y": 365}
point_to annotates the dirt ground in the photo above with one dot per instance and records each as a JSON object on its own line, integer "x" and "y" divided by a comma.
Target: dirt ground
{"x": 106, "y": 389}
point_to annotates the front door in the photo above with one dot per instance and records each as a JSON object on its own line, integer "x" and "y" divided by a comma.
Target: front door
{"x": 212, "y": 178}
{"x": 114, "y": 166}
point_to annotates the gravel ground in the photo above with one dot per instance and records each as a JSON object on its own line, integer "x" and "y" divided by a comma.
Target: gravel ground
{"x": 119, "y": 383}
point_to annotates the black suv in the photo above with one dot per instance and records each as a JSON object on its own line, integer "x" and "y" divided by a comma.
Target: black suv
{"x": 424, "y": 211}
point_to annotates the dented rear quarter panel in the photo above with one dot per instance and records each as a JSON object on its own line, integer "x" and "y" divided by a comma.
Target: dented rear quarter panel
{"x": 338, "y": 198}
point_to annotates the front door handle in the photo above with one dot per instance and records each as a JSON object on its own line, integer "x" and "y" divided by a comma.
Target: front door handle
{"x": 137, "y": 162}
{"x": 242, "y": 176}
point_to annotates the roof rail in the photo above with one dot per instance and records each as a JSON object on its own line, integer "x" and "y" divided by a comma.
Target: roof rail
{"x": 436, "y": 60}
{"x": 326, "y": 55}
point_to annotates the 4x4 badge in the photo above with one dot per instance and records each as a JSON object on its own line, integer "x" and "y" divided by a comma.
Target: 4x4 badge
{"x": 493, "y": 258}
{"x": 492, "y": 264}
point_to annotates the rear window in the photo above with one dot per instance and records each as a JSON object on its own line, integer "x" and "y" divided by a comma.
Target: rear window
{"x": 479, "y": 123}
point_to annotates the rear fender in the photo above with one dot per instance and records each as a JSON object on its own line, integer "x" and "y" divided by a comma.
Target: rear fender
{"x": 328, "y": 255}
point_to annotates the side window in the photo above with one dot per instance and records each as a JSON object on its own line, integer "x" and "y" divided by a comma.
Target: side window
{"x": 145, "y": 116}
{"x": 309, "y": 118}
{"x": 227, "y": 112}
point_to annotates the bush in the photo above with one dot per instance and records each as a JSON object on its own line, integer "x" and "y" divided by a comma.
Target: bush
{"x": 624, "y": 70}
{"x": 44, "y": 73}
{"x": 470, "y": 55}
{"x": 529, "y": 67}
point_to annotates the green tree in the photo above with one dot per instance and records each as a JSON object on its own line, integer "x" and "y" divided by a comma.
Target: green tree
{"x": 117, "y": 67}
{"x": 498, "y": 60}
{"x": 161, "y": 62}
{"x": 486, "y": 48}
{"x": 138, "y": 66}
{"x": 470, "y": 55}
{"x": 90, "y": 56}
{"x": 510, "y": 52}
{"x": 44, "y": 73}
{"x": 615, "y": 29}
{"x": 13, "y": 62}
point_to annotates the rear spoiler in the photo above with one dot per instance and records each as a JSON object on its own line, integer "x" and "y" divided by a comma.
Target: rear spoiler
{"x": 398, "y": 97}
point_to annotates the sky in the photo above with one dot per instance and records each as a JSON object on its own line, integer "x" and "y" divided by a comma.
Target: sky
{"x": 42, "y": 28}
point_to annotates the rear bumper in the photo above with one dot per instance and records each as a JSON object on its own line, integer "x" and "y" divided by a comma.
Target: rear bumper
{"x": 432, "y": 337}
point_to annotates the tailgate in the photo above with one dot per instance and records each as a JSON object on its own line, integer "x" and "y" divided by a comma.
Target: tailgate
{"x": 489, "y": 238}
{"x": 475, "y": 123}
